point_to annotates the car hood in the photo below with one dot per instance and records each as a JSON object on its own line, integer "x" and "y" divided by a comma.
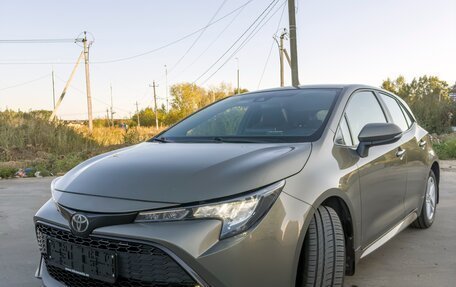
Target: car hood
{"x": 178, "y": 173}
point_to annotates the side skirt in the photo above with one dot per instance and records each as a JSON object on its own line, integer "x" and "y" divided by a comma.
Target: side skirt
{"x": 390, "y": 234}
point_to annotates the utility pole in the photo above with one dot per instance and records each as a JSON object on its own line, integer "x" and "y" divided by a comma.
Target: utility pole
{"x": 112, "y": 107}
{"x": 293, "y": 43}
{"x": 87, "y": 74}
{"x": 282, "y": 53}
{"x": 137, "y": 114}
{"x": 166, "y": 88}
{"x": 107, "y": 117}
{"x": 282, "y": 80}
{"x": 238, "y": 87}
{"x": 53, "y": 88}
{"x": 155, "y": 104}
{"x": 59, "y": 101}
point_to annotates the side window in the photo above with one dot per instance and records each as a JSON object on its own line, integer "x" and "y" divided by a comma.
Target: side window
{"x": 395, "y": 111}
{"x": 363, "y": 108}
{"x": 343, "y": 136}
{"x": 408, "y": 118}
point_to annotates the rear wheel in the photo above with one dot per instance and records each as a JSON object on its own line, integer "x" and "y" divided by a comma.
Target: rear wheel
{"x": 323, "y": 261}
{"x": 429, "y": 207}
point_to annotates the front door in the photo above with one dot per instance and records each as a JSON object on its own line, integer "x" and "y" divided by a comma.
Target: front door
{"x": 382, "y": 173}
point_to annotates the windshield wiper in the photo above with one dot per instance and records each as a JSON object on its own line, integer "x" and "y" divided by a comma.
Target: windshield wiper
{"x": 228, "y": 139}
{"x": 161, "y": 140}
{"x": 242, "y": 140}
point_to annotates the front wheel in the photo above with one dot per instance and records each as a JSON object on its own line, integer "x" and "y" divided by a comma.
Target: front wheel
{"x": 323, "y": 261}
{"x": 429, "y": 207}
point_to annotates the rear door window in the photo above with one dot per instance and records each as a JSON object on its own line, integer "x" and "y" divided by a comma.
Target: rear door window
{"x": 408, "y": 118}
{"x": 395, "y": 111}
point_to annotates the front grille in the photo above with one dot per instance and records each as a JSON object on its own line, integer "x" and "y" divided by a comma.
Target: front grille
{"x": 74, "y": 280}
{"x": 139, "y": 264}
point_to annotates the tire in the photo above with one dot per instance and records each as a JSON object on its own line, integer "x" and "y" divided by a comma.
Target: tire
{"x": 426, "y": 218}
{"x": 323, "y": 257}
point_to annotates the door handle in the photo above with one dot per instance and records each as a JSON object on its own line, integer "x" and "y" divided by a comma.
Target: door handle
{"x": 422, "y": 143}
{"x": 400, "y": 153}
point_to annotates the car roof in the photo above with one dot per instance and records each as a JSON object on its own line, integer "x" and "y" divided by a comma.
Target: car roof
{"x": 319, "y": 86}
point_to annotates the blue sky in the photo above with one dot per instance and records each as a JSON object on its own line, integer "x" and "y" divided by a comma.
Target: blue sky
{"x": 350, "y": 41}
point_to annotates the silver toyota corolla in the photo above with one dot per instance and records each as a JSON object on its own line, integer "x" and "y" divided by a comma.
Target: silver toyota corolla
{"x": 285, "y": 187}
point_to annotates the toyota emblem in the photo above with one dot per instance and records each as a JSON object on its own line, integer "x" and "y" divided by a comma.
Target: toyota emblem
{"x": 80, "y": 223}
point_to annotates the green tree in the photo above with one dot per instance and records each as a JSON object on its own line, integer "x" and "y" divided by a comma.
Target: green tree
{"x": 186, "y": 98}
{"x": 397, "y": 86}
{"x": 428, "y": 97}
{"x": 146, "y": 117}
{"x": 219, "y": 92}
{"x": 241, "y": 91}
{"x": 453, "y": 115}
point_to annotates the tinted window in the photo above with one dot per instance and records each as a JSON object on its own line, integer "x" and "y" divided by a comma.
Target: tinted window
{"x": 363, "y": 108}
{"x": 408, "y": 118}
{"x": 343, "y": 134}
{"x": 287, "y": 115}
{"x": 395, "y": 111}
{"x": 224, "y": 123}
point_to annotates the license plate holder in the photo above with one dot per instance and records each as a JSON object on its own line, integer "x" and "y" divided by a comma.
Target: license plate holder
{"x": 89, "y": 262}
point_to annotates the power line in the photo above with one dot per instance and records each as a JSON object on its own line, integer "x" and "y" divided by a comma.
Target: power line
{"x": 175, "y": 41}
{"x": 198, "y": 37}
{"x": 237, "y": 40}
{"x": 25, "y": 83}
{"x": 82, "y": 91}
{"x": 37, "y": 41}
{"x": 246, "y": 40}
{"x": 95, "y": 98}
{"x": 140, "y": 54}
{"x": 270, "y": 49}
{"x": 266, "y": 64}
{"x": 67, "y": 62}
{"x": 215, "y": 40}
{"x": 80, "y": 114}
{"x": 71, "y": 86}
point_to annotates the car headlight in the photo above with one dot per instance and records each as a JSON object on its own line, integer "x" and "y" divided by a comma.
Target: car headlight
{"x": 237, "y": 215}
{"x": 54, "y": 181}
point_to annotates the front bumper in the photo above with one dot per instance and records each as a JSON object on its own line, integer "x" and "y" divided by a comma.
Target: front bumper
{"x": 266, "y": 255}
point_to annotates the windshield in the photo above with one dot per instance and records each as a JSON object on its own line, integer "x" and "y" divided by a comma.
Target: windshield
{"x": 274, "y": 116}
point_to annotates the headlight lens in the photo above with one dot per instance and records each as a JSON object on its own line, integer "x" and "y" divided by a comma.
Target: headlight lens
{"x": 237, "y": 215}
{"x": 54, "y": 181}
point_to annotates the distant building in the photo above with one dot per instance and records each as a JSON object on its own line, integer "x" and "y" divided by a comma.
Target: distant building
{"x": 453, "y": 93}
{"x": 453, "y": 96}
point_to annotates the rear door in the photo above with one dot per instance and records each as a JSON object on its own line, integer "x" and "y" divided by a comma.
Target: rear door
{"x": 416, "y": 161}
{"x": 382, "y": 173}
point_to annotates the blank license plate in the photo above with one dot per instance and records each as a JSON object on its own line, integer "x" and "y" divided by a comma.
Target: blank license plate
{"x": 85, "y": 261}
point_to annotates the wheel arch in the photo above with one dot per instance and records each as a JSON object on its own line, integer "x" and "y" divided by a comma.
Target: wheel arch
{"x": 435, "y": 167}
{"x": 339, "y": 201}
{"x": 342, "y": 210}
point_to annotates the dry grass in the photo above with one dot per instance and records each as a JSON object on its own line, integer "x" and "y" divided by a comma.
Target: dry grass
{"x": 108, "y": 136}
{"x": 24, "y": 134}
{"x": 28, "y": 140}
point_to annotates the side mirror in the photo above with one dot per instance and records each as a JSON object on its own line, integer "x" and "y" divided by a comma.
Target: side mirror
{"x": 377, "y": 134}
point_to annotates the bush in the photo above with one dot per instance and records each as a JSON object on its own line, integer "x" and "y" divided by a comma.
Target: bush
{"x": 434, "y": 116}
{"x": 7, "y": 172}
{"x": 428, "y": 97}
{"x": 446, "y": 149}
